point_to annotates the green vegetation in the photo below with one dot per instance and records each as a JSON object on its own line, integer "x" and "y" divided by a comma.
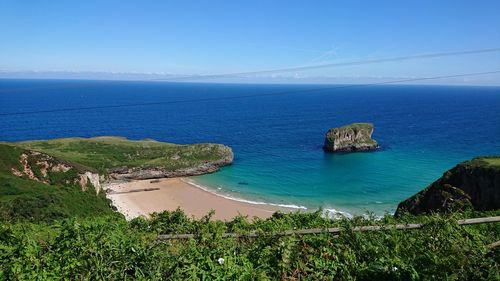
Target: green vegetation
{"x": 351, "y": 137}
{"x": 50, "y": 189}
{"x": 493, "y": 161}
{"x": 485, "y": 161}
{"x": 107, "y": 248}
{"x": 358, "y": 126}
{"x": 22, "y": 199}
{"x": 25, "y": 199}
{"x": 103, "y": 153}
{"x": 57, "y": 231}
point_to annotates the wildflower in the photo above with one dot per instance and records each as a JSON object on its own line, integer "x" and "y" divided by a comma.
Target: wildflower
{"x": 221, "y": 261}
{"x": 394, "y": 268}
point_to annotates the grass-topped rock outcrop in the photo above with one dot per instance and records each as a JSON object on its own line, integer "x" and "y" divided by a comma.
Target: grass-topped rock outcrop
{"x": 350, "y": 138}
{"x": 120, "y": 158}
{"x": 471, "y": 184}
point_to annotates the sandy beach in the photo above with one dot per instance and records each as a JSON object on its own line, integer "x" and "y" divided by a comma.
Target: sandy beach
{"x": 143, "y": 197}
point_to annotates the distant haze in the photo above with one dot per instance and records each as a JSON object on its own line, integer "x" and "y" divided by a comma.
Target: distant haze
{"x": 483, "y": 80}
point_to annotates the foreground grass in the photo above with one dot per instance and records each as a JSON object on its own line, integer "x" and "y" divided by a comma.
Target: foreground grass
{"x": 103, "y": 153}
{"x": 107, "y": 248}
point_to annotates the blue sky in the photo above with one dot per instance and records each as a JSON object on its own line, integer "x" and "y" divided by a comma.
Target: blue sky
{"x": 207, "y": 37}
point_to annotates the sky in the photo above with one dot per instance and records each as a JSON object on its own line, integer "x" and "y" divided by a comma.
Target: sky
{"x": 137, "y": 39}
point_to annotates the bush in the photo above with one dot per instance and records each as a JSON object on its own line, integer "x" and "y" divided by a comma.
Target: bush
{"x": 108, "y": 248}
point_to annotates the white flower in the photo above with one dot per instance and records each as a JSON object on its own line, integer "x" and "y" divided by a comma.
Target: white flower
{"x": 394, "y": 268}
{"x": 221, "y": 261}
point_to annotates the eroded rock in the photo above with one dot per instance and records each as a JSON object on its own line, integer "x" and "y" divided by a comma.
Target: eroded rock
{"x": 471, "y": 184}
{"x": 350, "y": 138}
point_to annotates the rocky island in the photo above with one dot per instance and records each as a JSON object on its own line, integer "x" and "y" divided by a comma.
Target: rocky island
{"x": 471, "y": 184}
{"x": 350, "y": 138}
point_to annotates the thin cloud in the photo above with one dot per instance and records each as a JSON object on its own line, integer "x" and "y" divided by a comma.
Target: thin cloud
{"x": 326, "y": 55}
{"x": 284, "y": 47}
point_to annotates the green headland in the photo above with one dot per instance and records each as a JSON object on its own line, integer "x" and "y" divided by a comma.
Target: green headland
{"x": 105, "y": 153}
{"x": 50, "y": 179}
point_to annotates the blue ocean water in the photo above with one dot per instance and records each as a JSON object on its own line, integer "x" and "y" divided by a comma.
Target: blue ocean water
{"x": 277, "y": 139}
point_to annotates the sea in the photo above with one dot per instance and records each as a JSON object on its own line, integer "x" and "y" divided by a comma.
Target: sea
{"x": 276, "y": 132}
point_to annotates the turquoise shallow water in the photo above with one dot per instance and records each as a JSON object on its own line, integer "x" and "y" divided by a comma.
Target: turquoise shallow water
{"x": 352, "y": 183}
{"x": 422, "y": 130}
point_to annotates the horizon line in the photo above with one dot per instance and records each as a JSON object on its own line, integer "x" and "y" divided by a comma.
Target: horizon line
{"x": 287, "y": 79}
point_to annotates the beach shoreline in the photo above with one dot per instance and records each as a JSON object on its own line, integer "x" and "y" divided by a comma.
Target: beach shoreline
{"x": 144, "y": 197}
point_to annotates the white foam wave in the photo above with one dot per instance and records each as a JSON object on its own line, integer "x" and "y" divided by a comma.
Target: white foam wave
{"x": 335, "y": 214}
{"x": 290, "y": 206}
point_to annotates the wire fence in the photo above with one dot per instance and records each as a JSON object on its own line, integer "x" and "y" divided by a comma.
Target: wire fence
{"x": 337, "y": 230}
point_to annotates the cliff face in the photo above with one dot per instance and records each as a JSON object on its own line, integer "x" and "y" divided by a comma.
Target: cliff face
{"x": 208, "y": 166}
{"x": 49, "y": 170}
{"x": 474, "y": 183}
{"x": 353, "y": 137}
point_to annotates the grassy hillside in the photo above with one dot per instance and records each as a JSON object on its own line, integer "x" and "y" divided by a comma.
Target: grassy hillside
{"x": 493, "y": 161}
{"x": 102, "y": 153}
{"x": 485, "y": 161}
{"x": 22, "y": 198}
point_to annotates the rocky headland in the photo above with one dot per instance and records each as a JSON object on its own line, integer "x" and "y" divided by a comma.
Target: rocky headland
{"x": 350, "y": 138}
{"x": 201, "y": 168}
{"x": 52, "y": 179}
{"x": 111, "y": 158}
{"x": 471, "y": 184}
